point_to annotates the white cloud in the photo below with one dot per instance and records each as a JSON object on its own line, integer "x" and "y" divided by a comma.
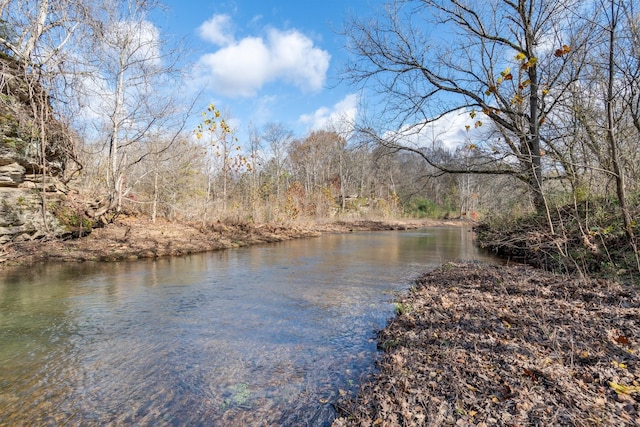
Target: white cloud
{"x": 217, "y": 30}
{"x": 339, "y": 117}
{"x": 295, "y": 58}
{"x": 240, "y": 68}
{"x": 137, "y": 41}
{"x": 452, "y": 130}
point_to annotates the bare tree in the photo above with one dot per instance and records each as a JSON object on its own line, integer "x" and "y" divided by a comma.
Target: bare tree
{"x": 39, "y": 30}
{"x": 224, "y": 155}
{"x": 503, "y": 63}
{"x": 34, "y": 37}
{"x": 278, "y": 138}
{"x": 614, "y": 14}
{"x": 129, "y": 89}
{"x": 315, "y": 164}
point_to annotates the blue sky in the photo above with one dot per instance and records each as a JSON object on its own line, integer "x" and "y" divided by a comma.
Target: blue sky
{"x": 268, "y": 61}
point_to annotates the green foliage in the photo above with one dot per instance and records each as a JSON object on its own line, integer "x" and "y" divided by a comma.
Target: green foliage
{"x": 16, "y": 144}
{"x": 402, "y": 309}
{"x": 74, "y": 220}
{"x": 582, "y": 193}
{"x": 389, "y": 344}
{"x": 420, "y": 207}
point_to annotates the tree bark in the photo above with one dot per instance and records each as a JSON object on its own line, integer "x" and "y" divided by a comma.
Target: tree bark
{"x": 611, "y": 125}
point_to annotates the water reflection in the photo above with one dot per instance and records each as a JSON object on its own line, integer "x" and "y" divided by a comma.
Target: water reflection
{"x": 260, "y": 335}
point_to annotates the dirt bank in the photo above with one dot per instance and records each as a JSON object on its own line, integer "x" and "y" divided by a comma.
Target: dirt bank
{"x": 130, "y": 238}
{"x": 479, "y": 345}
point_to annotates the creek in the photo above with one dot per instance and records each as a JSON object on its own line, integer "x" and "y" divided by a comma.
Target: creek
{"x": 263, "y": 335}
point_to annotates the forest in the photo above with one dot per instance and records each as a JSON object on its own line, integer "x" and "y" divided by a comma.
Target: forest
{"x": 546, "y": 95}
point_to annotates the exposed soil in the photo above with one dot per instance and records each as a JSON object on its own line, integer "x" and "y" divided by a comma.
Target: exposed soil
{"x": 480, "y": 345}
{"x": 129, "y": 238}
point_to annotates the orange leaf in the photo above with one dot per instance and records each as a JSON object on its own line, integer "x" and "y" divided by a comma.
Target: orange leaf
{"x": 563, "y": 51}
{"x": 622, "y": 339}
{"x": 530, "y": 373}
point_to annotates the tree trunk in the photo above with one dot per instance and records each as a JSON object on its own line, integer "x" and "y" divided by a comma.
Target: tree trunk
{"x": 611, "y": 133}
{"x": 154, "y": 206}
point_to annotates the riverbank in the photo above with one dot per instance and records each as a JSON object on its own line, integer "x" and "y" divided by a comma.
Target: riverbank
{"x": 481, "y": 345}
{"x": 130, "y": 238}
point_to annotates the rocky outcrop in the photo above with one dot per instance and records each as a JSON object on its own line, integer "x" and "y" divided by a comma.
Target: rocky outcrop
{"x": 23, "y": 218}
{"x": 32, "y": 165}
{"x": 11, "y": 174}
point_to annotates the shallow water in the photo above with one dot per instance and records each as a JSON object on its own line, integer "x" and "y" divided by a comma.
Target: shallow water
{"x": 265, "y": 335}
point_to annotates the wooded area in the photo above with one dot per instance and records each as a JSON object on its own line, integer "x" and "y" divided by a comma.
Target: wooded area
{"x": 542, "y": 98}
{"x": 549, "y": 91}
{"x": 116, "y": 83}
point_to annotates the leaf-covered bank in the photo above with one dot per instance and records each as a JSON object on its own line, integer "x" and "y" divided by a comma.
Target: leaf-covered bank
{"x": 586, "y": 238}
{"x": 480, "y": 345}
{"x": 130, "y": 238}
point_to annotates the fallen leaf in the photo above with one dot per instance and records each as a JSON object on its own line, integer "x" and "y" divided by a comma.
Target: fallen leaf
{"x": 621, "y": 339}
{"x": 530, "y": 373}
{"x": 471, "y": 388}
{"x": 624, "y": 389}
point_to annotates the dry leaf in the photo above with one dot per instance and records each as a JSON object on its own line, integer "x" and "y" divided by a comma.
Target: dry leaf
{"x": 621, "y": 339}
